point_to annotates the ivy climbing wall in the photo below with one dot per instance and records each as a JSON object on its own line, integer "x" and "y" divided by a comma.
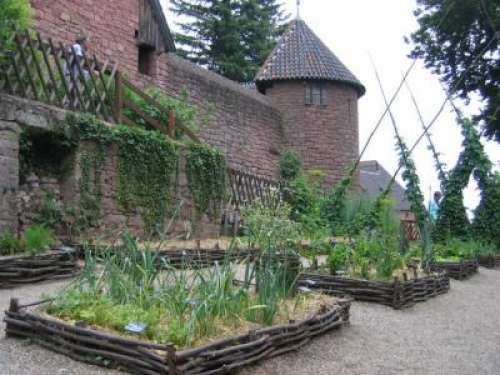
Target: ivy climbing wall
{"x": 91, "y": 179}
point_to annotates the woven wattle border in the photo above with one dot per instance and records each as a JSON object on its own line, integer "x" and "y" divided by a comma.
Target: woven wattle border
{"x": 51, "y": 265}
{"x": 219, "y": 357}
{"x": 456, "y": 270}
{"x": 397, "y": 294}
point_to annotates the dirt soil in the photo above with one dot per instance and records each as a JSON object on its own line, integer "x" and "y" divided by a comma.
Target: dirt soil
{"x": 457, "y": 333}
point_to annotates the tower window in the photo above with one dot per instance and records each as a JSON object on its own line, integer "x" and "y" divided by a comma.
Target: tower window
{"x": 315, "y": 93}
{"x": 146, "y": 60}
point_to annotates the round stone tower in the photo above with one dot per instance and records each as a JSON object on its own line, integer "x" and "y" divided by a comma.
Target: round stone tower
{"x": 318, "y": 98}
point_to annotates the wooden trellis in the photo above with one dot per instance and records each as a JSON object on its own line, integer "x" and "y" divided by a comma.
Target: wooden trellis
{"x": 39, "y": 69}
{"x": 248, "y": 189}
{"x": 410, "y": 230}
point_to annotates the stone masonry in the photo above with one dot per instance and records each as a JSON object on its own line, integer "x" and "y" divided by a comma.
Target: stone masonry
{"x": 242, "y": 122}
{"x": 325, "y": 136}
{"x": 18, "y": 204}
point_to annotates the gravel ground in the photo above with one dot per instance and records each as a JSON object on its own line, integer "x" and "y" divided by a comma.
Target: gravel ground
{"x": 457, "y": 333}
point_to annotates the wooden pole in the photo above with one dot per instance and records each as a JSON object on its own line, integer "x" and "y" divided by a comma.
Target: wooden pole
{"x": 118, "y": 102}
{"x": 171, "y": 124}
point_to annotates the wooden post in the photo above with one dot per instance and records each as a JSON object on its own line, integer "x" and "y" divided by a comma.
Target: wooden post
{"x": 171, "y": 123}
{"x": 118, "y": 102}
{"x": 14, "y": 305}
{"x": 172, "y": 368}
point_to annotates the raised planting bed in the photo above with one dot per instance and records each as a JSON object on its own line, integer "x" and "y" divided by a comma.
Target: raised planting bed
{"x": 398, "y": 294}
{"x": 187, "y": 258}
{"x": 51, "y": 265}
{"x": 218, "y": 357}
{"x": 489, "y": 261}
{"x": 458, "y": 270}
{"x": 200, "y": 258}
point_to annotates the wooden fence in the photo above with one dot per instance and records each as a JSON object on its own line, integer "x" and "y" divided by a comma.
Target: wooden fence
{"x": 39, "y": 69}
{"x": 410, "y": 230}
{"x": 248, "y": 189}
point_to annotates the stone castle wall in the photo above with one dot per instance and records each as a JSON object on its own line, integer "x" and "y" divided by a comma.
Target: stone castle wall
{"x": 325, "y": 136}
{"x": 19, "y": 203}
{"x": 242, "y": 122}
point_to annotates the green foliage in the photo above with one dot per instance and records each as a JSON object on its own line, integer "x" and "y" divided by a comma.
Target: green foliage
{"x": 454, "y": 249}
{"x": 230, "y": 37}
{"x": 334, "y": 203}
{"x": 179, "y": 306}
{"x": 452, "y": 219}
{"x": 486, "y": 224}
{"x": 290, "y": 165}
{"x": 49, "y": 214}
{"x": 450, "y": 33}
{"x": 147, "y": 162}
{"x": 206, "y": 175}
{"x": 9, "y": 244}
{"x": 37, "y": 239}
{"x": 14, "y": 14}
{"x": 271, "y": 228}
{"x": 372, "y": 254}
{"x": 185, "y": 113}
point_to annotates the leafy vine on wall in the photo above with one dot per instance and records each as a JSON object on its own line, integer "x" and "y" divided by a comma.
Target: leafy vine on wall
{"x": 147, "y": 162}
{"x": 206, "y": 175}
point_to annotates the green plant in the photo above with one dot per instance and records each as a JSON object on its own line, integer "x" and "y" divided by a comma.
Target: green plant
{"x": 338, "y": 257}
{"x": 9, "y": 244}
{"x": 185, "y": 113}
{"x": 206, "y": 175}
{"x": 290, "y": 165}
{"x": 271, "y": 229}
{"x": 333, "y": 205}
{"x": 486, "y": 224}
{"x": 37, "y": 239}
{"x": 181, "y": 306}
{"x": 49, "y": 213}
{"x": 147, "y": 162}
{"x": 16, "y": 14}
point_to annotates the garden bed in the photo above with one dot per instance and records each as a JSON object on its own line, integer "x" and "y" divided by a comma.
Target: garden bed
{"x": 190, "y": 257}
{"x": 218, "y": 357}
{"x": 489, "y": 261}
{"x": 458, "y": 270}
{"x": 397, "y": 294}
{"x": 51, "y": 265}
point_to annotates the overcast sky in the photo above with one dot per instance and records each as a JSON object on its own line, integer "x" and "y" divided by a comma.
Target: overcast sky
{"x": 353, "y": 29}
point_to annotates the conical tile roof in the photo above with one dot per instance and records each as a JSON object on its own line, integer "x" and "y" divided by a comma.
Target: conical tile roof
{"x": 300, "y": 54}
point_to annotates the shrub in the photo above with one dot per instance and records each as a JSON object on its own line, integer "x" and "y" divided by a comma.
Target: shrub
{"x": 15, "y": 13}
{"x": 9, "y": 244}
{"x": 290, "y": 165}
{"x": 37, "y": 239}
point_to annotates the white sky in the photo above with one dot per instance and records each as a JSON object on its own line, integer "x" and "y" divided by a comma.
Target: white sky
{"x": 353, "y": 29}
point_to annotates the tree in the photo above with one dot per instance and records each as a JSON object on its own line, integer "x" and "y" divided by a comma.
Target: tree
{"x": 451, "y": 34}
{"x": 230, "y": 37}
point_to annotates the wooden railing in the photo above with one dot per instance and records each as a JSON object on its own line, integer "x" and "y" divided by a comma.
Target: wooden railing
{"x": 41, "y": 70}
{"x": 123, "y": 107}
{"x": 247, "y": 189}
{"x": 410, "y": 229}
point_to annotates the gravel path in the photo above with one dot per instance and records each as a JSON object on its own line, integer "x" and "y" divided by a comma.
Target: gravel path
{"x": 458, "y": 333}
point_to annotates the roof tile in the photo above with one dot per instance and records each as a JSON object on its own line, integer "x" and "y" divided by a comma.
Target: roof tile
{"x": 300, "y": 54}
